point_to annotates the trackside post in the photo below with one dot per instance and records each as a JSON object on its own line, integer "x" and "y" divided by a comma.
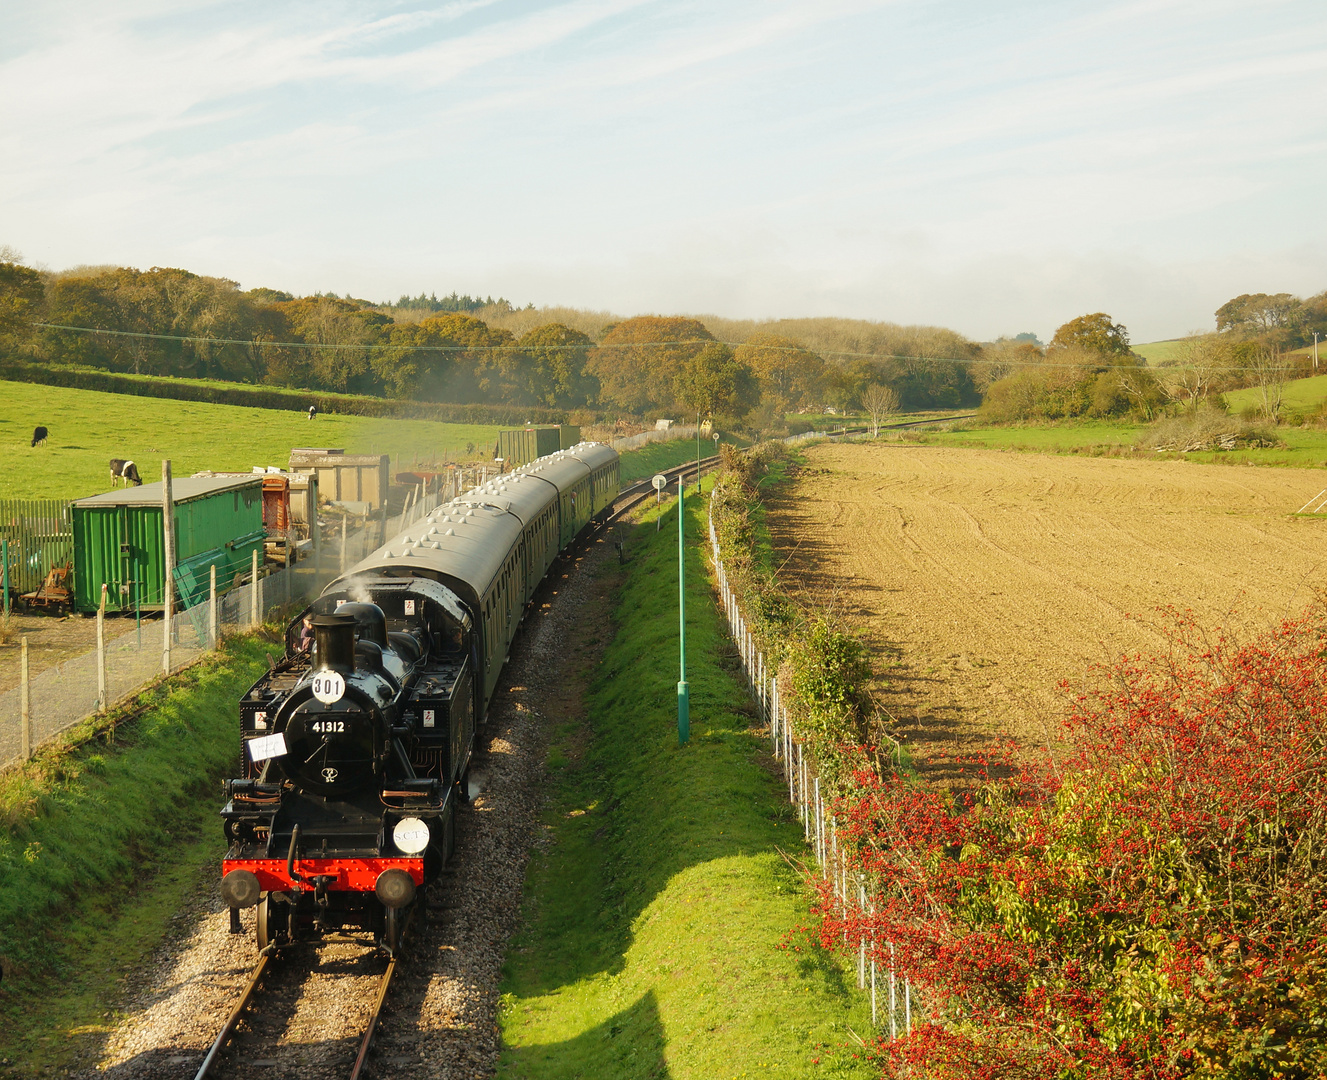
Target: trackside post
{"x": 683, "y": 694}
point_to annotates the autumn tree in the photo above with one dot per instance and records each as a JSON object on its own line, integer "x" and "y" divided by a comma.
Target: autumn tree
{"x": 1003, "y": 358}
{"x": 791, "y": 376}
{"x": 714, "y": 383}
{"x": 22, "y": 292}
{"x": 638, "y": 360}
{"x": 1271, "y": 317}
{"x": 1095, "y": 333}
{"x": 1202, "y": 365}
{"x": 558, "y": 355}
{"x": 881, "y": 402}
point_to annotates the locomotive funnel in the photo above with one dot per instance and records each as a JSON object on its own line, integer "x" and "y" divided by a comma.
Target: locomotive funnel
{"x": 334, "y": 643}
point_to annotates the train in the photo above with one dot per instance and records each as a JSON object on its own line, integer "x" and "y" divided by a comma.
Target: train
{"x": 355, "y": 748}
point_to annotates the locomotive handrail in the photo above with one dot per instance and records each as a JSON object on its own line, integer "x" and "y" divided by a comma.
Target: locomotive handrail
{"x": 290, "y": 856}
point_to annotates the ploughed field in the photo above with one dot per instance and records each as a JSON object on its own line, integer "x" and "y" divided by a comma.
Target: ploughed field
{"x": 983, "y": 579}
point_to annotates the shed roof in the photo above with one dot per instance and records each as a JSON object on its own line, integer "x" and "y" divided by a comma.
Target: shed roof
{"x": 185, "y": 489}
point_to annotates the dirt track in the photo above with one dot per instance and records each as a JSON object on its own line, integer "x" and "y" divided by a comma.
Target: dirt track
{"x": 988, "y": 577}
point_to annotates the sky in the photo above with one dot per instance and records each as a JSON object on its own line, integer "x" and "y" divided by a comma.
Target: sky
{"x": 990, "y": 167}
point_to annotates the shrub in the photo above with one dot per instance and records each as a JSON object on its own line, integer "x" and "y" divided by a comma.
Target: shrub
{"x": 1206, "y": 428}
{"x": 1154, "y": 904}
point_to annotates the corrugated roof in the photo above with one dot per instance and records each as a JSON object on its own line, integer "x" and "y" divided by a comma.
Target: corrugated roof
{"x": 185, "y": 489}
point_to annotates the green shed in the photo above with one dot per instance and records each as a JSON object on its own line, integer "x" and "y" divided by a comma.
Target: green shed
{"x": 118, "y": 539}
{"x": 524, "y": 445}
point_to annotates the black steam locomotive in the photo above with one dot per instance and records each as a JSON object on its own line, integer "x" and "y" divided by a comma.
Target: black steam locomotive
{"x": 355, "y": 752}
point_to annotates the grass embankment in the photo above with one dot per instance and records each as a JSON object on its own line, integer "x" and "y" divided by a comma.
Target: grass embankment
{"x": 88, "y": 428}
{"x": 1303, "y": 447}
{"x": 657, "y": 911}
{"x": 101, "y": 845}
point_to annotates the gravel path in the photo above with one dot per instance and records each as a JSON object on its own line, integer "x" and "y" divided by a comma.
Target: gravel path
{"x": 441, "y": 1017}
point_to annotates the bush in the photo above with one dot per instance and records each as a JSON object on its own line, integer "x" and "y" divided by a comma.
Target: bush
{"x": 1206, "y": 428}
{"x": 1154, "y": 904}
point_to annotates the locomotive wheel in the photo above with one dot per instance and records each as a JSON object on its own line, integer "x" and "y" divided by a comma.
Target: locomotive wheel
{"x": 273, "y": 922}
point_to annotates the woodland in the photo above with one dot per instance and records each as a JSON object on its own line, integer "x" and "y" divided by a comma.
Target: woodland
{"x": 462, "y": 350}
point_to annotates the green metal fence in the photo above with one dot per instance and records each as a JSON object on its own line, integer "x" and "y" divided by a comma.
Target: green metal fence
{"x": 40, "y": 535}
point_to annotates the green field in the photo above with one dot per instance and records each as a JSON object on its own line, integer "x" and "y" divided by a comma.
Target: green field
{"x": 1299, "y": 395}
{"x": 1046, "y": 438}
{"x": 657, "y": 911}
{"x": 88, "y": 428}
{"x": 1157, "y": 352}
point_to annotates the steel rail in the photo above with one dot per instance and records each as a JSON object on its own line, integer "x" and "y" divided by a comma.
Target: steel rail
{"x": 228, "y": 1028}
{"x": 367, "y": 1042}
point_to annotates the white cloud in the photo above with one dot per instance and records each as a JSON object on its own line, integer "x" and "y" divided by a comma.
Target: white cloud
{"x": 986, "y": 169}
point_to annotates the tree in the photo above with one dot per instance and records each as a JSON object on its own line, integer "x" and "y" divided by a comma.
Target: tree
{"x": 1202, "y": 364}
{"x": 880, "y": 402}
{"x": 22, "y": 291}
{"x": 1002, "y": 358}
{"x": 1094, "y": 333}
{"x": 1268, "y": 369}
{"x": 1262, "y": 315}
{"x": 713, "y": 383}
{"x": 638, "y": 360}
{"x": 791, "y": 376}
{"x": 558, "y": 355}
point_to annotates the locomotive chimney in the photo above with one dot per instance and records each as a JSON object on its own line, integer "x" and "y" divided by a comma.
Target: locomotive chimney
{"x": 334, "y": 643}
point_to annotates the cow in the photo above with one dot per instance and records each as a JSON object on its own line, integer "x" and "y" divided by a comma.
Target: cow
{"x": 313, "y": 412}
{"x": 39, "y": 436}
{"x": 126, "y": 471}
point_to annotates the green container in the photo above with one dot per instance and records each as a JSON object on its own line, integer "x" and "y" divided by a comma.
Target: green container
{"x": 119, "y": 541}
{"x": 523, "y": 445}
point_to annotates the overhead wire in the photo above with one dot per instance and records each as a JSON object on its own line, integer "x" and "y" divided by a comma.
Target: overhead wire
{"x": 410, "y": 347}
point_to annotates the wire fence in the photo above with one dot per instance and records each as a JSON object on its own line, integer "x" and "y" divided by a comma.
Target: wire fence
{"x": 132, "y": 652}
{"x": 891, "y": 996}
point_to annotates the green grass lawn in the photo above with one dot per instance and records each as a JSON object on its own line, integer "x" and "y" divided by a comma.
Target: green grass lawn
{"x": 657, "y": 912}
{"x": 1047, "y": 438}
{"x": 1299, "y": 395}
{"x": 99, "y": 848}
{"x": 89, "y": 427}
{"x": 1156, "y": 352}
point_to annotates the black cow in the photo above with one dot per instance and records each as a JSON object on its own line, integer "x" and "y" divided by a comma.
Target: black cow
{"x": 39, "y": 436}
{"x": 126, "y": 471}
{"x": 313, "y": 412}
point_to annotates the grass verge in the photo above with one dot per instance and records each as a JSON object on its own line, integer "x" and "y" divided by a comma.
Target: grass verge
{"x": 101, "y": 844}
{"x": 657, "y": 909}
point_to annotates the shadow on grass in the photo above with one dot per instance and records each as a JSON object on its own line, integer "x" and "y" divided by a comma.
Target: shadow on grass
{"x": 627, "y": 1046}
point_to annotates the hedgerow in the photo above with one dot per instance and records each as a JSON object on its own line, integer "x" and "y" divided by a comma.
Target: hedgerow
{"x": 1151, "y": 901}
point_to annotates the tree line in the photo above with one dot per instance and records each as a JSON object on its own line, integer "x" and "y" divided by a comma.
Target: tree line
{"x": 172, "y": 322}
{"x": 462, "y": 350}
{"x": 1090, "y": 370}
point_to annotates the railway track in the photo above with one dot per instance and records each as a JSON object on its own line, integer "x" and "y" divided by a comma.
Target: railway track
{"x": 247, "y": 998}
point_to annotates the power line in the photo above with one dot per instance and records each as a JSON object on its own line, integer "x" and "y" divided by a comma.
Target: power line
{"x": 379, "y": 347}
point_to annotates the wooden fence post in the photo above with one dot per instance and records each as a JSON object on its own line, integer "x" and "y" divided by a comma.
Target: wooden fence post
{"x": 254, "y": 602}
{"x": 212, "y": 607}
{"x": 102, "y": 703}
{"x": 25, "y": 695}
{"x": 168, "y": 553}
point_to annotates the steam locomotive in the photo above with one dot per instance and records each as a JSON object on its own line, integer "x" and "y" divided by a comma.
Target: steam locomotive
{"x": 355, "y": 752}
